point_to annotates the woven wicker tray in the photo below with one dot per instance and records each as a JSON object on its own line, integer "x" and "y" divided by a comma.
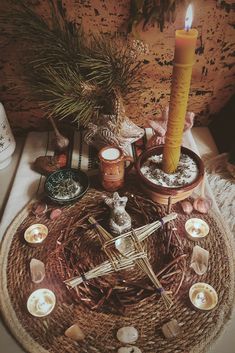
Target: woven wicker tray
{"x": 41, "y": 335}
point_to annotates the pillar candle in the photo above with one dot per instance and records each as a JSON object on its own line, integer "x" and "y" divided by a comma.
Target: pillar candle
{"x": 185, "y": 43}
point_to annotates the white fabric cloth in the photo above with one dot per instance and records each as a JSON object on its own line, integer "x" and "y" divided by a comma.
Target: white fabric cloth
{"x": 27, "y": 182}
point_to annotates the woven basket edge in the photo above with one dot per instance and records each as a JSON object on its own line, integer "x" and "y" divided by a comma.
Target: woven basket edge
{"x": 222, "y": 323}
{"x": 8, "y": 314}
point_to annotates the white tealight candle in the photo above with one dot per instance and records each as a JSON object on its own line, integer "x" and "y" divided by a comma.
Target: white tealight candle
{"x": 111, "y": 154}
{"x": 41, "y": 302}
{"x": 203, "y": 296}
{"x": 196, "y": 228}
{"x": 35, "y": 234}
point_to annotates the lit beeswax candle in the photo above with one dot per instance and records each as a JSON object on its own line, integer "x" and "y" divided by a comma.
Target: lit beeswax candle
{"x": 185, "y": 42}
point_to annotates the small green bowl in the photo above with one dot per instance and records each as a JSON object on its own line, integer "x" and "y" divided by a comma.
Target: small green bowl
{"x": 66, "y": 185}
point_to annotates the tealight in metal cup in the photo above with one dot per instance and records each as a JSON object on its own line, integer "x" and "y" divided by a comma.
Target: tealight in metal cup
{"x": 196, "y": 229}
{"x": 203, "y": 296}
{"x": 35, "y": 234}
{"x": 41, "y": 302}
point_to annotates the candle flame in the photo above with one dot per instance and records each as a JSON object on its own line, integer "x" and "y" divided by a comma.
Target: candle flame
{"x": 189, "y": 18}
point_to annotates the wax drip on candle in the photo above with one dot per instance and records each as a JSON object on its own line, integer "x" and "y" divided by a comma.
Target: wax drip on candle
{"x": 188, "y": 18}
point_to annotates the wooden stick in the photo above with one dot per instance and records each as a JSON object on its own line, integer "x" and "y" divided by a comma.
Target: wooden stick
{"x": 171, "y": 274}
{"x": 172, "y": 263}
{"x": 169, "y": 205}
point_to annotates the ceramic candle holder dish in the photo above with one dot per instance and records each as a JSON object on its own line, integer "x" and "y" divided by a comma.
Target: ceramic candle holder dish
{"x": 66, "y": 185}
{"x": 161, "y": 194}
{"x": 41, "y": 302}
{"x": 203, "y": 296}
{"x": 35, "y": 234}
{"x": 196, "y": 229}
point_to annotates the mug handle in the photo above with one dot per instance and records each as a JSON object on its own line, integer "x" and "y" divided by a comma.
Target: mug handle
{"x": 130, "y": 159}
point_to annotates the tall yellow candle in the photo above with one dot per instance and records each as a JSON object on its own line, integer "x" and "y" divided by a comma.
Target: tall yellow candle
{"x": 185, "y": 43}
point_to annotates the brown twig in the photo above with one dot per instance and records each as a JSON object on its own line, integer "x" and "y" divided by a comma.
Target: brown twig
{"x": 171, "y": 274}
{"x": 182, "y": 278}
{"x": 171, "y": 263}
{"x": 169, "y": 205}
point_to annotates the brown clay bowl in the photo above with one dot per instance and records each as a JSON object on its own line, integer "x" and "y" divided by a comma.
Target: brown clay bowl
{"x": 161, "y": 194}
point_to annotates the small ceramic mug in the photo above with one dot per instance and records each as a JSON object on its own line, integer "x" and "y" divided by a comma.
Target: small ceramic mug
{"x": 112, "y": 167}
{"x": 7, "y": 141}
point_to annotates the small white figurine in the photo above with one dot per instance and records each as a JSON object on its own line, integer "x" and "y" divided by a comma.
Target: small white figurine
{"x": 120, "y": 221}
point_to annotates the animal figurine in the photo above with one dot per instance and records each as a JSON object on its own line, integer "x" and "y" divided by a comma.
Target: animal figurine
{"x": 104, "y": 134}
{"x": 160, "y": 126}
{"x": 120, "y": 220}
{"x": 105, "y": 131}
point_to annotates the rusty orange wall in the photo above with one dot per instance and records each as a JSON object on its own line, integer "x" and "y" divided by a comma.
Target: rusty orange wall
{"x": 213, "y": 74}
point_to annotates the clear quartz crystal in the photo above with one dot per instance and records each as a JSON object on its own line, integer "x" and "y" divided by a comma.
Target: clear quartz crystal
{"x": 171, "y": 329}
{"x": 199, "y": 261}
{"x": 37, "y": 270}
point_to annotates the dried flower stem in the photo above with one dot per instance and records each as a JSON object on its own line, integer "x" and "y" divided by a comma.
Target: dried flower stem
{"x": 171, "y": 263}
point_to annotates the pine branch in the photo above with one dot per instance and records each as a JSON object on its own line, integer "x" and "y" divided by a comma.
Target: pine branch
{"x": 62, "y": 94}
{"x": 69, "y": 76}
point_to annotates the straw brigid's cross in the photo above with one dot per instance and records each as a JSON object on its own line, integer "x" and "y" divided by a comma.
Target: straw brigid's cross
{"x": 123, "y": 252}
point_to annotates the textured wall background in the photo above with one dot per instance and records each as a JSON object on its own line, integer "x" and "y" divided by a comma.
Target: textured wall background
{"x": 213, "y": 73}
